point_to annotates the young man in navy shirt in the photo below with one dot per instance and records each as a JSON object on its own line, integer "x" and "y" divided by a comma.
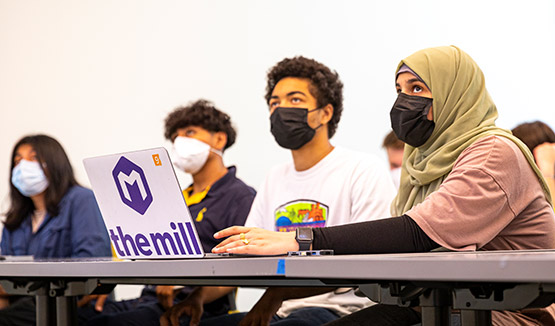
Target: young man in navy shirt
{"x": 200, "y": 134}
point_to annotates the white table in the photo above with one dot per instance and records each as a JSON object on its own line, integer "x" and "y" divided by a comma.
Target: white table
{"x": 475, "y": 282}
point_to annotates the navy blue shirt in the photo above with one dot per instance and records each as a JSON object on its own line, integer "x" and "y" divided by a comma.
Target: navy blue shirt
{"x": 77, "y": 231}
{"x": 226, "y": 203}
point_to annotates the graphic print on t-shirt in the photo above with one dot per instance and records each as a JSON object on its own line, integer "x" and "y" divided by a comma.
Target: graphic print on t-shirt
{"x": 302, "y": 212}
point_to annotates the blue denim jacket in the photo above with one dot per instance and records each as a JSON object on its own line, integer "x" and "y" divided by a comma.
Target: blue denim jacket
{"x": 77, "y": 231}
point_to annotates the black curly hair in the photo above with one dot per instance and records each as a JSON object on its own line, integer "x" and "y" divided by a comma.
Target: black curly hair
{"x": 201, "y": 113}
{"x": 325, "y": 84}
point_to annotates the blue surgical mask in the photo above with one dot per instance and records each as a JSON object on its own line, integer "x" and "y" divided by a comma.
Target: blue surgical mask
{"x": 28, "y": 177}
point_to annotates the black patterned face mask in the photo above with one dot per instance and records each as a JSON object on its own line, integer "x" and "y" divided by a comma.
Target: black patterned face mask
{"x": 290, "y": 127}
{"x": 409, "y": 119}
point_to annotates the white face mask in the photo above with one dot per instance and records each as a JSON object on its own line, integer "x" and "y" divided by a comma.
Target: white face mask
{"x": 29, "y": 178}
{"x": 396, "y": 175}
{"x": 190, "y": 154}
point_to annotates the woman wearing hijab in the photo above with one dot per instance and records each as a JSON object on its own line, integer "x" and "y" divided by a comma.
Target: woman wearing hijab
{"x": 466, "y": 184}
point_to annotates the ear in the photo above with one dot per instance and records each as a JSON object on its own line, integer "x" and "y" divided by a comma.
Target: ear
{"x": 327, "y": 114}
{"x": 219, "y": 140}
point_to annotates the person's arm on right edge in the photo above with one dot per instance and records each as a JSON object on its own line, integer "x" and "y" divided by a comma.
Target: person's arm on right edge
{"x": 395, "y": 234}
{"x": 390, "y": 235}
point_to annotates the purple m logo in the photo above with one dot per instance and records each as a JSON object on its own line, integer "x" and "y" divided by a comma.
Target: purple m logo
{"x": 132, "y": 185}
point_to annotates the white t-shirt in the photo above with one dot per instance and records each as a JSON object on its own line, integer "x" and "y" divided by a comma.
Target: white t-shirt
{"x": 344, "y": 187}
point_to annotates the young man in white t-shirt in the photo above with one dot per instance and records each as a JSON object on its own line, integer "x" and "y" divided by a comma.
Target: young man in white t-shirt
{"x": 323, "y": 186}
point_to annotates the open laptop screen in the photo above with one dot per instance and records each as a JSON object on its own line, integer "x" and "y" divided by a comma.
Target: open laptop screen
{"x": 142, "y": 205}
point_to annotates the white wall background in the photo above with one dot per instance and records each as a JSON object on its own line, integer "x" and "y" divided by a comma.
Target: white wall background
{"x": 100, "y": 76}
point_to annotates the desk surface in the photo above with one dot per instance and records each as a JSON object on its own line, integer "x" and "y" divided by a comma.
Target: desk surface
{"x": 499, "y": 266}
{"x": 491, "y": 266}
{"x": 443, "y": 279}
{"x": 106, "y": 267}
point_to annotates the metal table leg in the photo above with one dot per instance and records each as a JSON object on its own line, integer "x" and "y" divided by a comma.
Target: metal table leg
{"x": 435, "y": 316}
{"x": 66, "y": 311}
{"x": 436, "y": 307}
{"x": 476, "y": 317}
{"x": 46, "y": 310}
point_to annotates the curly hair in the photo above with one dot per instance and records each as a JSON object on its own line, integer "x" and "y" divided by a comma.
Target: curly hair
{"x": 201, "y": 113}
{"x": 325, "y": 84}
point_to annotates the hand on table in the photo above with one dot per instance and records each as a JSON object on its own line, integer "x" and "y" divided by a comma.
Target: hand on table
{"x": 255, "y": 241}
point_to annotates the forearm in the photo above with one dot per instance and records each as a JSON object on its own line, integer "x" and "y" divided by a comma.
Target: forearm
{"x": 286, "y": 293}
{"x": 3, "y": 293}
{"x": 4, "y": 298}
{"x": 211, "y": 293}
{"x": 398, "y": 234}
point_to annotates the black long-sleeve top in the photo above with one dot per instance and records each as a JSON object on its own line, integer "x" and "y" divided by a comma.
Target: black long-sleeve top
{"x": 391, "y": 235}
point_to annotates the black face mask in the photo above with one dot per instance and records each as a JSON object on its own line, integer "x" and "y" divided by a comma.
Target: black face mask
{"x": 290, "y": 127}
{"x": 409, "y": 121}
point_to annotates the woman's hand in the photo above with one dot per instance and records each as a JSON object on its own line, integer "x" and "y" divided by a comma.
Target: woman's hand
{"x": 255, "y": 241}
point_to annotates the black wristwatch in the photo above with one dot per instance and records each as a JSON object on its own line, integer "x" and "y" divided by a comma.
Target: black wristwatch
{"x": 304, "y": 237}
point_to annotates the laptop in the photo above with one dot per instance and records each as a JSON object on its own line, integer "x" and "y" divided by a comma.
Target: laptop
{"x": 144, "y": 209}
{"x": 143, "y": 206}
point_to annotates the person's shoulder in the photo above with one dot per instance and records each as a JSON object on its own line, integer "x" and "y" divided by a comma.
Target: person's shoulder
{"x": 5, "y": 233}
{"x": 493, "y": 141}
{"x": 507, "y": 146}
{"x": 77, "y": 190}
{"x": 76, "y": 193}
{"x": 350, "y": 154}
{"x": 491, "y": 150}
{"x": 280, "y": 170}
{"x": 357, "y": 158}
{"x": 239, "y": 187}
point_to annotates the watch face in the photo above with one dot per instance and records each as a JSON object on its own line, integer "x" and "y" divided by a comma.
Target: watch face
{"x": 304, "y": 234}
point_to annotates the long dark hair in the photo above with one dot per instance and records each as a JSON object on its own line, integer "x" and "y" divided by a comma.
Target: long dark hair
{"x": 58, "y": 171}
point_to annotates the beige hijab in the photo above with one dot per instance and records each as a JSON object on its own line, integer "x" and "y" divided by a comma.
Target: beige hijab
{"x": 463, "y": 112}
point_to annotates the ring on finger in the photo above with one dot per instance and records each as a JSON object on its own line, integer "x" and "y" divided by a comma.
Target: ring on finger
{"x": 243, "y": 239}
